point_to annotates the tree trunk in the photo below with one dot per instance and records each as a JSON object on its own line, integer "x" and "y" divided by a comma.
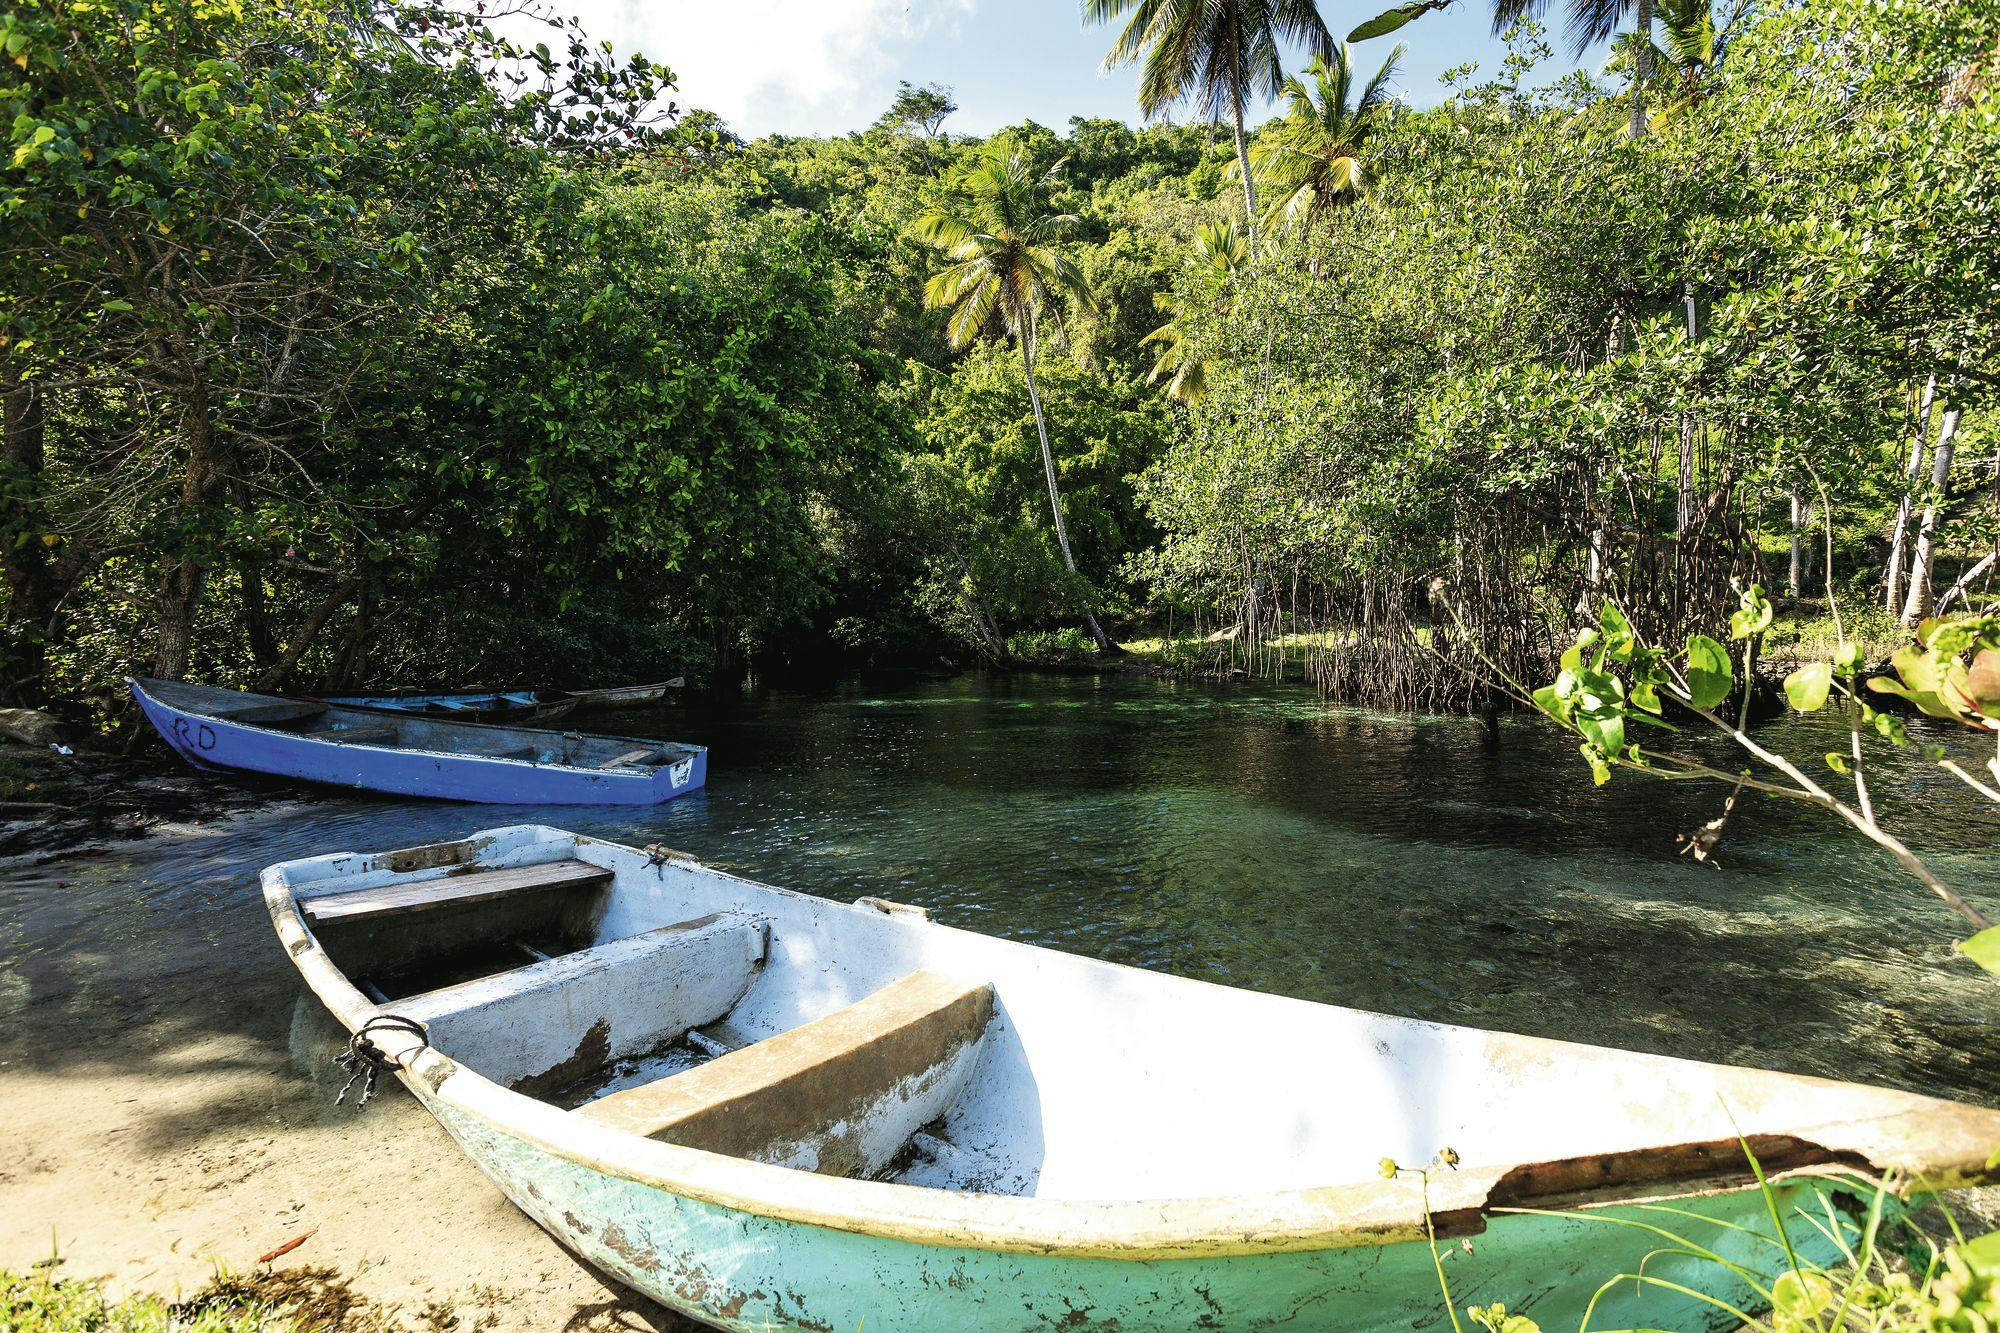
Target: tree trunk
{"x": 1642, "y": 67}
{"x": 180, "y": 591}
{"x": 1097, "y": 634}
{"x": 1801, "y": 555}
{"x": 34, "y": 594}
{"x": 1684, "y": 498}
{"x": 1965, "y": 580}
{"x": 1892, "y": 592}
{"x": 1922, "y": 556}
{"x": 1243, "y": 165}
{"x": 256, "y": 616}
{"x": 274, "y": 675}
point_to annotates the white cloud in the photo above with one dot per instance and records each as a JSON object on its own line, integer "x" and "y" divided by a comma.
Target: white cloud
{"x": 799, "y": 66}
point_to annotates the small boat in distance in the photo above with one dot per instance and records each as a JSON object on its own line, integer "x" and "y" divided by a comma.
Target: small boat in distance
{"x": 772, "y": 1111}
{"x": 514, "y": 705}
{"x": 473, "y": 706}
{"x": 414, "y": 755}
{"x": 627, "y": 696}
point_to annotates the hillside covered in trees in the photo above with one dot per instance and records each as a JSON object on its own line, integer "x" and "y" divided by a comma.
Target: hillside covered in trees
{"x": 345, "y": 346}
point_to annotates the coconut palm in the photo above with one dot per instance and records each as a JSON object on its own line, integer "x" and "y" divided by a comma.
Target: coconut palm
{"x": 1219, "y": 251}
{"x": 1218, "y": 54}
{"x": 1005, "y": 272}
{"x": 1591, "y": 22}
{"x": 1688, "y": 49}
{"x": 1313, "y": 156}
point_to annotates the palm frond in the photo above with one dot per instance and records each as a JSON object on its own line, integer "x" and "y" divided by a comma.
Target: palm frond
{"x": 942, "y": 229}
{"x": 971, "y": 316}
{"x": 1377, "y": 92}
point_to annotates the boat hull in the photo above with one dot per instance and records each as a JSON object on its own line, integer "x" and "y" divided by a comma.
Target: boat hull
{"x": 622, "y": 696}
{"x": 215, "y": 744}
{"x": 751, "y": 1273}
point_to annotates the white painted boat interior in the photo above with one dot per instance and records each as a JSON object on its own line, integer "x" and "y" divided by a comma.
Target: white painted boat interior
{"x": 444, "y": 735}
{"x": 650, "y": 994}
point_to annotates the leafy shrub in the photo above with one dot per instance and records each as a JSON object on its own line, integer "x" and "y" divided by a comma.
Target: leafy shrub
{"x": 1052, "y": 647}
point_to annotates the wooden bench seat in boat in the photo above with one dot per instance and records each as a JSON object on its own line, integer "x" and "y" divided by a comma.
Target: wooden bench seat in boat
{"x": 634, "y": 758}
{"x": 563, "y": 1021}
{"x": 840, "y": 1095}
{"x": 426, "y": 894}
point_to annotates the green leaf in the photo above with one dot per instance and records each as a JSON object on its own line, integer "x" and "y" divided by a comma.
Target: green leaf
{"x": 1600, "y": 766}
{"x": 1708, "y": 670}
{"x": 1808, "y": 687}
{"x": 1617, "y": 631}
{"x": 1800, "y": 1295}
{"x": 1604, "y": 728}
{"x": 1889, "y": 727}
{"x": 1837, "y": 761}
{"x": 1982, "y": 1253}
{"x": 1926, "y": 701}
{"x": 1391, "y": 19}
{"x": 1847, "y": 658}
{"x": 1917, "y": 666}
{"x": 1755, "y": 615}
{"x": 1984, "y": 949}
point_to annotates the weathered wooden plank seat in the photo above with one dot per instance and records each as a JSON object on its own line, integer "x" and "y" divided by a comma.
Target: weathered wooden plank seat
{"x": 840, "y": 1095}
{"x": 650, "y": 755}
{"x": 564, "y": 1020}
{"x": 422, "y": 895}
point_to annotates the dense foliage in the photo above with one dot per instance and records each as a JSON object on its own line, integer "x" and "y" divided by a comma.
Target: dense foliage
{"x": 343, "y": 344}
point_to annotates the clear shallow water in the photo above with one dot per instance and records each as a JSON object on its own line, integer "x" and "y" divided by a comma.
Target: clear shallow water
{"x": 1247, "y": 836}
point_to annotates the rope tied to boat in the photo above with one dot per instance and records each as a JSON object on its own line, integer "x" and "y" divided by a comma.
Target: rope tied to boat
{"x": 364, "y": 1060}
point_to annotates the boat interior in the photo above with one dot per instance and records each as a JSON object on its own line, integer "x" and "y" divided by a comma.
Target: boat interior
{"x": 354, "y": 726}
{"x": 644, "y": 992}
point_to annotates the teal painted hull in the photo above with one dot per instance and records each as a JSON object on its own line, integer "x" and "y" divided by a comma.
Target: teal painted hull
{"x": 740, "y": 1271}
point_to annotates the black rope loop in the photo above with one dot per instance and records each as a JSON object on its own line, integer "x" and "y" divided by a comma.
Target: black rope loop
{"x": 364, "y": 1060}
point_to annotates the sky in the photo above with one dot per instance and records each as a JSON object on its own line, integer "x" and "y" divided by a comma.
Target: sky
{"x": 830, "y": 66}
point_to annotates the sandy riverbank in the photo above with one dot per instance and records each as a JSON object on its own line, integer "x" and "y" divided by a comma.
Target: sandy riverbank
{"x": 167, "y": 1093}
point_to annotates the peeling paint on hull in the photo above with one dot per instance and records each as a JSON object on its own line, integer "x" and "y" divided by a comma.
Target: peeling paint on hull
{"x": 740, "y": 1271}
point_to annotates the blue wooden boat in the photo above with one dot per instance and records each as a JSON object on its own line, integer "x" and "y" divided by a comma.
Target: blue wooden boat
{"x": 416, "y": 755}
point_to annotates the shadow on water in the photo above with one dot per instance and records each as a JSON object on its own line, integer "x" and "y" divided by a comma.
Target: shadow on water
{"x": 1250, "y": 837}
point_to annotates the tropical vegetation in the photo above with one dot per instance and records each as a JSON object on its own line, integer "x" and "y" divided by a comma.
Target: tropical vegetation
{"x": 420, "y": 353}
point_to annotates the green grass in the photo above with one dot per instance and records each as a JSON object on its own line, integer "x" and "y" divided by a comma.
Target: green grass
{"x": 1806, "y": 633}
{"x": 268, "y": 1300}
{"x": 40, "y": 1302}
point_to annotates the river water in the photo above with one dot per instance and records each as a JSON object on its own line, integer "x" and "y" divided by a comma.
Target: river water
{"x": 1243, "y": 835}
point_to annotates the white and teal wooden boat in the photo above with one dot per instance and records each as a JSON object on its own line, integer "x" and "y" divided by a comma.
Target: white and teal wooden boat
{"x": 773, "y": 1111}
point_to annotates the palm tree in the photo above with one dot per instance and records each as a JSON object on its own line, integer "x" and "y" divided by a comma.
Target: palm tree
{"x": 1216, "y": 53}
{"x": 1591, "y": 22}
{"x": 1689, "y": 48}
{"x": 1005, "y": 271}
{"x": 1220, "y": 251}
{"x": 1313, "y": 155}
